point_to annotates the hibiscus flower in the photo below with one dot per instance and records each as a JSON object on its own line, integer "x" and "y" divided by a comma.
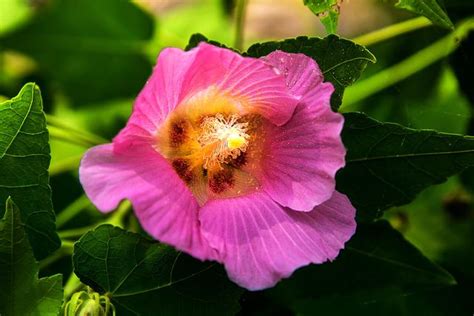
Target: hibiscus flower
{"x": 232, "y": 159}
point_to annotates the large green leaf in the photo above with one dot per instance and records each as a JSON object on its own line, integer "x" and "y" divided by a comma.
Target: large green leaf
{"x": 341, "y": 61}
{"x": 24, "y": 162}
{"x": 388, "y": 164}
{"x": 21, "y": 292}
{"x": 378, "y": 273}
{"x": 94, "y": 50}
{"x": 143, "y": 277}
{"x": 429, "y": 8}
{"x": 440, "y": 222}
{"x": 327, "y": 11}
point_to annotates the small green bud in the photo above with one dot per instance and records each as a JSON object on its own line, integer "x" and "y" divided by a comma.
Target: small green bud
{"x": 89, "y": 303}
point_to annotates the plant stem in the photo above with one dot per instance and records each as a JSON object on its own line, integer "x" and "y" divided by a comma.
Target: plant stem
{"x": 72, "y": 210}
{"x": 240, "y": 10}
{"x": 63, "y": 135}
{"x": 75, "y": 232}
{"x": 407, "y": 67}
{"x": 117, "y": 218}
{"x": 86, "y": 136}
{"x": 65, "y": 165}
{"x": 392, "y": 31}
{"x": 66, "y": 249}
{"x": 73, "y": 284}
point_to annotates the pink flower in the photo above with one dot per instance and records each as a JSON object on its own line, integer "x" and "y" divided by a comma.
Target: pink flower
{"x": 231, "y": 159}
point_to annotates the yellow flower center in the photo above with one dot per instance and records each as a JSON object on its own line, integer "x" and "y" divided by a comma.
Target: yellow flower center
{"x": 222, "y": 139}
{"x": 214, "y": 145}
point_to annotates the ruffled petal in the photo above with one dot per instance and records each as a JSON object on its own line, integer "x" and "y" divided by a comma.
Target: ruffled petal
{"x": 252, "y": 82}
{"x": 163, "y": 204}
{"x": 261, "y": 242}
{"x": 300, "y": 159}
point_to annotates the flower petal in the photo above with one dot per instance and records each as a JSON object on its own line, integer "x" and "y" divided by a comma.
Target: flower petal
{"x": 261, "y": 242}
{"x": 249, "y": 80}
{"x": 159, "y": 97}
{"x": 163, "y": 204}
{"x": 180, "y": 75}
{"x": 301, "y": 72}
{"x": 300, "y": 159}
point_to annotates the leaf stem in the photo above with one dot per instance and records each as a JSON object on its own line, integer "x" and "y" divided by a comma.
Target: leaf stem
{"x": 117, "y": 218}
{"x": 86, "y": 136}
{"x": 407, "y": 67}
{"x": 240, "y": 12}
{"x": 66, "y": 136}
{"x": 65, "y": 165}
{"x": 75, "y": 232}
{"x": 72, "y": 210}
{"x": 73, "y": 284}
{"x": 392, "y": 31}
{"x": 65, "y": 250}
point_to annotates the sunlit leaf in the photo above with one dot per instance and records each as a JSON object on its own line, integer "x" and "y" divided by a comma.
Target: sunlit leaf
{"x": 143, "y": 277}
{"x": 327, "y": 11}
{"x": 93, "y": 50}
{"x": 429, "y": 8}
{"x": 21, "y": 292}
{"x": 341, "y": 61}
{"x": 388, "y": 164}
{"x": 378, "y": 273}
{"x": 24, "y": 162}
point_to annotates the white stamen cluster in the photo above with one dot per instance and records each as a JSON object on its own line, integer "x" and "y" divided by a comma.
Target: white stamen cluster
{"x": 227, "y": 137}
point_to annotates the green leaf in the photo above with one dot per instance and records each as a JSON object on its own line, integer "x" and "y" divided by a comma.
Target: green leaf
{"x": 197, "y": 38}
{"x": 24, "y": 162}
{"x": 440, "y": 223}
{"x": 143, "y": 277}
{"x": 428, "y": 8}
{"x": 341, "y": 61}
{"x": 327, "y": 11}
{"x": 388, "y": 164}
{"x": 437, "y": 301}
{"x": 377, "y": 273}
{"x": 21, "y": 292}
{"x": 93, "y": 50}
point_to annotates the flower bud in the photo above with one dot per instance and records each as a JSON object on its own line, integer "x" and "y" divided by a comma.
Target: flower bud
{"x": 89, "y": 303}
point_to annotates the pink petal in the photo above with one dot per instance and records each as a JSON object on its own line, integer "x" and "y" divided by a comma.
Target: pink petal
{"x": 248, "y": 79}
{"x": 261, "y": 242}
{"x": 180, "y": 75}
{"x": 301, "y": 72}
{"x": 160, "y": 96}
{"x": 163, "y": 204}
{"x": 301, "y": 158}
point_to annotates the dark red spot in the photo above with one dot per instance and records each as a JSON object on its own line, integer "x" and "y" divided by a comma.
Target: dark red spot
{"x": 239, "y": 161}
{"x": 221, "y": 181}
{"x": 182, "y": 168}
{"x": 178, "y": 132}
